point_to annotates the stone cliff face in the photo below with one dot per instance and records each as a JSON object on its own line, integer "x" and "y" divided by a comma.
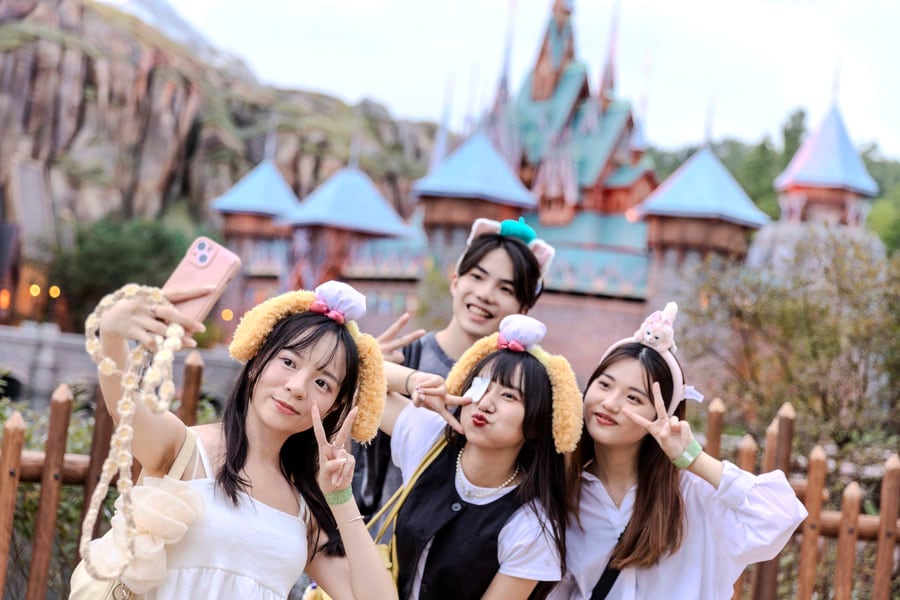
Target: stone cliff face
{"x": 121, "y": 120}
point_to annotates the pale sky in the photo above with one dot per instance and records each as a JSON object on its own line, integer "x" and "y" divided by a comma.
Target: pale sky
{"x": 753, "y": 61}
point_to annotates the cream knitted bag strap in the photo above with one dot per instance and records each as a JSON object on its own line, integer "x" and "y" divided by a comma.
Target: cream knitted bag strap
{"x": 83, "y": 586}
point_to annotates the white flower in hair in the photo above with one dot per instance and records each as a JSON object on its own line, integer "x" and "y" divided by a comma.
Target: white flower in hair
{"x": 520, "y": 332}
{"x": 339, "y": 301}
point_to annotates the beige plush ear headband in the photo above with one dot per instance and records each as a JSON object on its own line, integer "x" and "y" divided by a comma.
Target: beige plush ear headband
{"x": 658, "y": 332}
{"x": 521, "y": 333}
{"x": 343, "y": 304}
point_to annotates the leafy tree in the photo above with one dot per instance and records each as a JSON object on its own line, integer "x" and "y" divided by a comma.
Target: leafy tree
{"x": 110, "y": 253}
{"x": 818, "y": 327}
{"x": 792, "y": 134}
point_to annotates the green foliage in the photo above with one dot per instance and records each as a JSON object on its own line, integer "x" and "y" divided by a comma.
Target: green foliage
{"x": 109, "y": 254}
{"x": 821, "y": 330}
{"x": 435, "y": 309}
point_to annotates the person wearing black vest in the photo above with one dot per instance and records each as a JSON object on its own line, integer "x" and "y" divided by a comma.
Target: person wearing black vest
{"x": 500, "y": 273}
{"x": 486, "y": 519}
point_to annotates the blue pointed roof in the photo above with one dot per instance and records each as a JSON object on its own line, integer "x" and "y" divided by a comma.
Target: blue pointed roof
{"x": 348, "y": 200}
{"x": 476, "y": 170}
{"x": 828, "y": 159}
{"x": 702, "y": 188}
{"x": 594, "y": 146}
{"x": 261, "y": 191}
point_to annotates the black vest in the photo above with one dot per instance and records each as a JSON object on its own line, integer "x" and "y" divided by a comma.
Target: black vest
{"x": 462, "y": 560}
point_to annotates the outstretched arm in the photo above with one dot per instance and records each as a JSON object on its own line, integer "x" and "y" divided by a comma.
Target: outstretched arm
{"x": 157, "y": 436}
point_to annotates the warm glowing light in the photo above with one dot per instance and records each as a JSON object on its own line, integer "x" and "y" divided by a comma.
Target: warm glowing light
{"x": 34, "y": 290}
{"x": 5, "y": 298}
{"x": 227, "y": 314}
{"x": 54, "y": 291}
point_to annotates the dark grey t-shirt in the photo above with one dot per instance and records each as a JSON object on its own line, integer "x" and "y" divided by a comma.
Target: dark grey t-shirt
{"x": 434, "y": 359}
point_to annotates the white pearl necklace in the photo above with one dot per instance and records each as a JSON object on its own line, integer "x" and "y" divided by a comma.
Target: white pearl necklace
{"x": 460, "y": 480}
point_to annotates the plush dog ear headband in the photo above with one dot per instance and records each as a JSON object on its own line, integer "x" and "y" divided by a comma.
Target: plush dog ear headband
{"x": 520, "y": 230}
{"x": 521, "y": 333}
{"x": 339, "y": 302}
{"x": 658, "y": 332}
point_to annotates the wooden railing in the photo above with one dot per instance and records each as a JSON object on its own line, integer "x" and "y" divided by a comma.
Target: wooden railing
{"x": 847, "y": 526}
{"x": 53, "y": 468}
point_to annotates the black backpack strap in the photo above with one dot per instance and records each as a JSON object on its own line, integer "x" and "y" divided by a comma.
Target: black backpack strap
{"x": 412, "y": 354}
{"x": 607, "y": 579}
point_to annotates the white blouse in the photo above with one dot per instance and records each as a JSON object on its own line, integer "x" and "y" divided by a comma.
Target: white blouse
{"x": 746, "y": 519}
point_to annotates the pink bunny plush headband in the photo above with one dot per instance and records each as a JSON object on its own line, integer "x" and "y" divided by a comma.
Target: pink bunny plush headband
{"x": 658, "y": 332}
{"x": 520, "y": 230}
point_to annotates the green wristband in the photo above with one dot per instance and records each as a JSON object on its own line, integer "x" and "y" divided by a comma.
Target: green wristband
{"x": 339, "y": 496}
{"x": 689, "y": 455}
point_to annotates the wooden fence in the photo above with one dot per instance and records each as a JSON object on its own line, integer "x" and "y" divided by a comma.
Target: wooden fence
{"x": 847, "y": 526}
{"x": 53, "y": 468}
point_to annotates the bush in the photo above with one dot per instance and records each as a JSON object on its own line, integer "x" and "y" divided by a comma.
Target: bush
{"x": 815, "y": 324}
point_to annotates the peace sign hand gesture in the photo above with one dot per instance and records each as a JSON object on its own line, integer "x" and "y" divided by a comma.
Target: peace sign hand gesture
{"x": 672, "y": 434}
{"x": 336, "y": 464}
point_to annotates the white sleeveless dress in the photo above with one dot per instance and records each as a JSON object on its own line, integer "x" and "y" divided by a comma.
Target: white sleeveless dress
{"x": 246, "y": 552}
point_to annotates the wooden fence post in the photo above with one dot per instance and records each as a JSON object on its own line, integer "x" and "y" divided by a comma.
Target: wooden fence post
{"x": 190, "y": 394}
{"x": 746, "y": 460}
{"x": 843, "y": 568}
{"x": 806, "y": 571}
{"x": 10, "y": 459}
{"x": 715, "y": 415}
{"x": 765, "y": 582}
{"x": 786, "y": 417}
{"x": 103, "y": 427}
{"x": 51, "y": 483}
{"x": 887, "y": 531}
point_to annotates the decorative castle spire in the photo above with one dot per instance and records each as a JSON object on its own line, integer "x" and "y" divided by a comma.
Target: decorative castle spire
{"x": 557, "y": 51}
{"x": 607, "y": 92}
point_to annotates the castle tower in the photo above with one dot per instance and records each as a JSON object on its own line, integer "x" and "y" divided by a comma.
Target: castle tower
{"x": 329, "y": 222}
{"x": 250, "y": 209}
{"x": 699, "y": 209}
{"x": 475, "y": 181}
{"x": 557, "y": 51}
{"x": 826, "y": 180}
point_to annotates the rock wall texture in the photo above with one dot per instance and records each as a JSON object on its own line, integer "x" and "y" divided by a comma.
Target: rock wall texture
{"x": 124, "y": 121}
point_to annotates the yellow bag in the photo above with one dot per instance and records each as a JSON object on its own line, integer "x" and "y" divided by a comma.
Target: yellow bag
{"x": 82, "y": 586}
{"x": 388, "y": 548}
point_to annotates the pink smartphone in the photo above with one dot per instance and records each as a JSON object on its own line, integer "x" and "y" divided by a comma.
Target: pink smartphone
{"x": 205, "y": 263}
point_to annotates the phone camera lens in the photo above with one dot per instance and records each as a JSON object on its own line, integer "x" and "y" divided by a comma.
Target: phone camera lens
{"x": 201, "y": 246}
{"x": 202, "y": 258}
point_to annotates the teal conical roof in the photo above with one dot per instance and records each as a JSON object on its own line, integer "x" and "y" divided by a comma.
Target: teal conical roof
{"x": 476, "y": 170}
{"x": 827, "y": 158}
{"x": 702, "y": 188}
{"x": 348, "y": 200}
{"x": 261, "y": 191}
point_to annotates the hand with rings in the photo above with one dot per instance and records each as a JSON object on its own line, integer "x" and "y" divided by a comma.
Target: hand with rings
{"x": 336, "y": 465}
{"x": 672, "y": 434}
{"x": 430, "y": 391}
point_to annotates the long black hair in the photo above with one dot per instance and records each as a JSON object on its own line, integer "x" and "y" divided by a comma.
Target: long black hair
{"x": 526, "y": 269}
{"x": 543, "y": 469}
{"x": 299, "y": 456}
